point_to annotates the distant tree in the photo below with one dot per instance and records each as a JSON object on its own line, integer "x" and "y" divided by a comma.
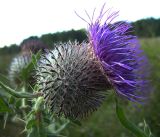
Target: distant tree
{"x": 72, "y": 35}
{"x": 147, "y": 27}
{"x": 47, "y": 39}
{"x": 12, "y": 49}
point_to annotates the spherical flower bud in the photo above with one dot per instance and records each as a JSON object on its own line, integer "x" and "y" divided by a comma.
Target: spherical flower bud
{"x": 17, "y": 65}
{"x": 119, "y": 54}
{"x": 71, "y": 79}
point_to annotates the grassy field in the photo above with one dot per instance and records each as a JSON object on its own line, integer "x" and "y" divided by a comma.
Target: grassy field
{"x": 104, "y": 122}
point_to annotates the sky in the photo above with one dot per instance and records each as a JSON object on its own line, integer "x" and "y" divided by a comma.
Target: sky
{"x": 20, "y": 19}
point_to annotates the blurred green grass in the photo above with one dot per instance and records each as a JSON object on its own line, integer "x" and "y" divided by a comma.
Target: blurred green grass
{"x": 104, "y": 122}
{"x": 5, "y": 62}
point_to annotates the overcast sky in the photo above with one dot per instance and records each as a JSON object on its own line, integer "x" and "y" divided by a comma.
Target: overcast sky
{"x": 20, "y": 19}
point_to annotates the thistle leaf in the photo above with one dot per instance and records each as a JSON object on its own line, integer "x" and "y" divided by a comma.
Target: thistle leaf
{"x": 4, "y": 106}
{"x": 15, "y": 93}
{"x": 30, "y": 66}
{"x": 4, "y": 79}
{"x": 147, "y": 130}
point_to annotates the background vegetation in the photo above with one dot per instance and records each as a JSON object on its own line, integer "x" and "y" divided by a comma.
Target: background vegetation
{"x": 104, "y": 122}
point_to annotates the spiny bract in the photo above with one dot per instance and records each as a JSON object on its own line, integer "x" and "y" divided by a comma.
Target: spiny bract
{"x": 71, "y": 80}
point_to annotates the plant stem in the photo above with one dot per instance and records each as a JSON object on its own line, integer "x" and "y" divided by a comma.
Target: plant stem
{"x": 23, "y": 105}
{"x": 128, "y": 124}
{"x": 39, "y": 117}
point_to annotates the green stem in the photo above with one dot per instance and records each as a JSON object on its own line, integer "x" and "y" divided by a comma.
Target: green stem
{"x": 38, "y": 103}
{"x": 23, "y": 105}
{"x": 39, "y": 117}
{"x": 19, "y": 94}
{"x": 24, "y": 99}
{"x": 127, "y": 124}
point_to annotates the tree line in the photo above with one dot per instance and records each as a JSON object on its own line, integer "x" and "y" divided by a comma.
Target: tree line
{"x": 149, "y": 27}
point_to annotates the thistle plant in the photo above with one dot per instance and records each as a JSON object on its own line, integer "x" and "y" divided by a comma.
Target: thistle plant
{"x": 19, "y": 63}
{"x": 16, "y": 67}
{"x": 73, "y": 79}
{"x": 26, "y": 103}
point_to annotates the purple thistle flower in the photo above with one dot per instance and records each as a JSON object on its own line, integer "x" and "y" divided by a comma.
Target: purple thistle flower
{"x": 119, "y": 54}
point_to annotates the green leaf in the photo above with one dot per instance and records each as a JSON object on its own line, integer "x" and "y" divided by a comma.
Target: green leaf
{"x": 74, "y": 121}
{"x": 4, "y": 107}
{"x": 4, "y": 79}
{"x": 35, "y": 58}
{"x": 52, "y": 128}
{"x": 33, "y": 132}
{"x": 147, "y": 130}
{"x": 47, "y": 120}
{"x": 32, "y": 112}
{"x": 15, "y": 93}
{"x": 12, "y": 100}
{"x": 62, "y": 127}
{"x": 30, "y": 123}
{"x": 29, "y": 68}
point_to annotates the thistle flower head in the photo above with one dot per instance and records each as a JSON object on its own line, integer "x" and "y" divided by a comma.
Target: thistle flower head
{"x": 71, "y": 80}
{"x": 17, "y": 65}
{"x": 119, "y": 54}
